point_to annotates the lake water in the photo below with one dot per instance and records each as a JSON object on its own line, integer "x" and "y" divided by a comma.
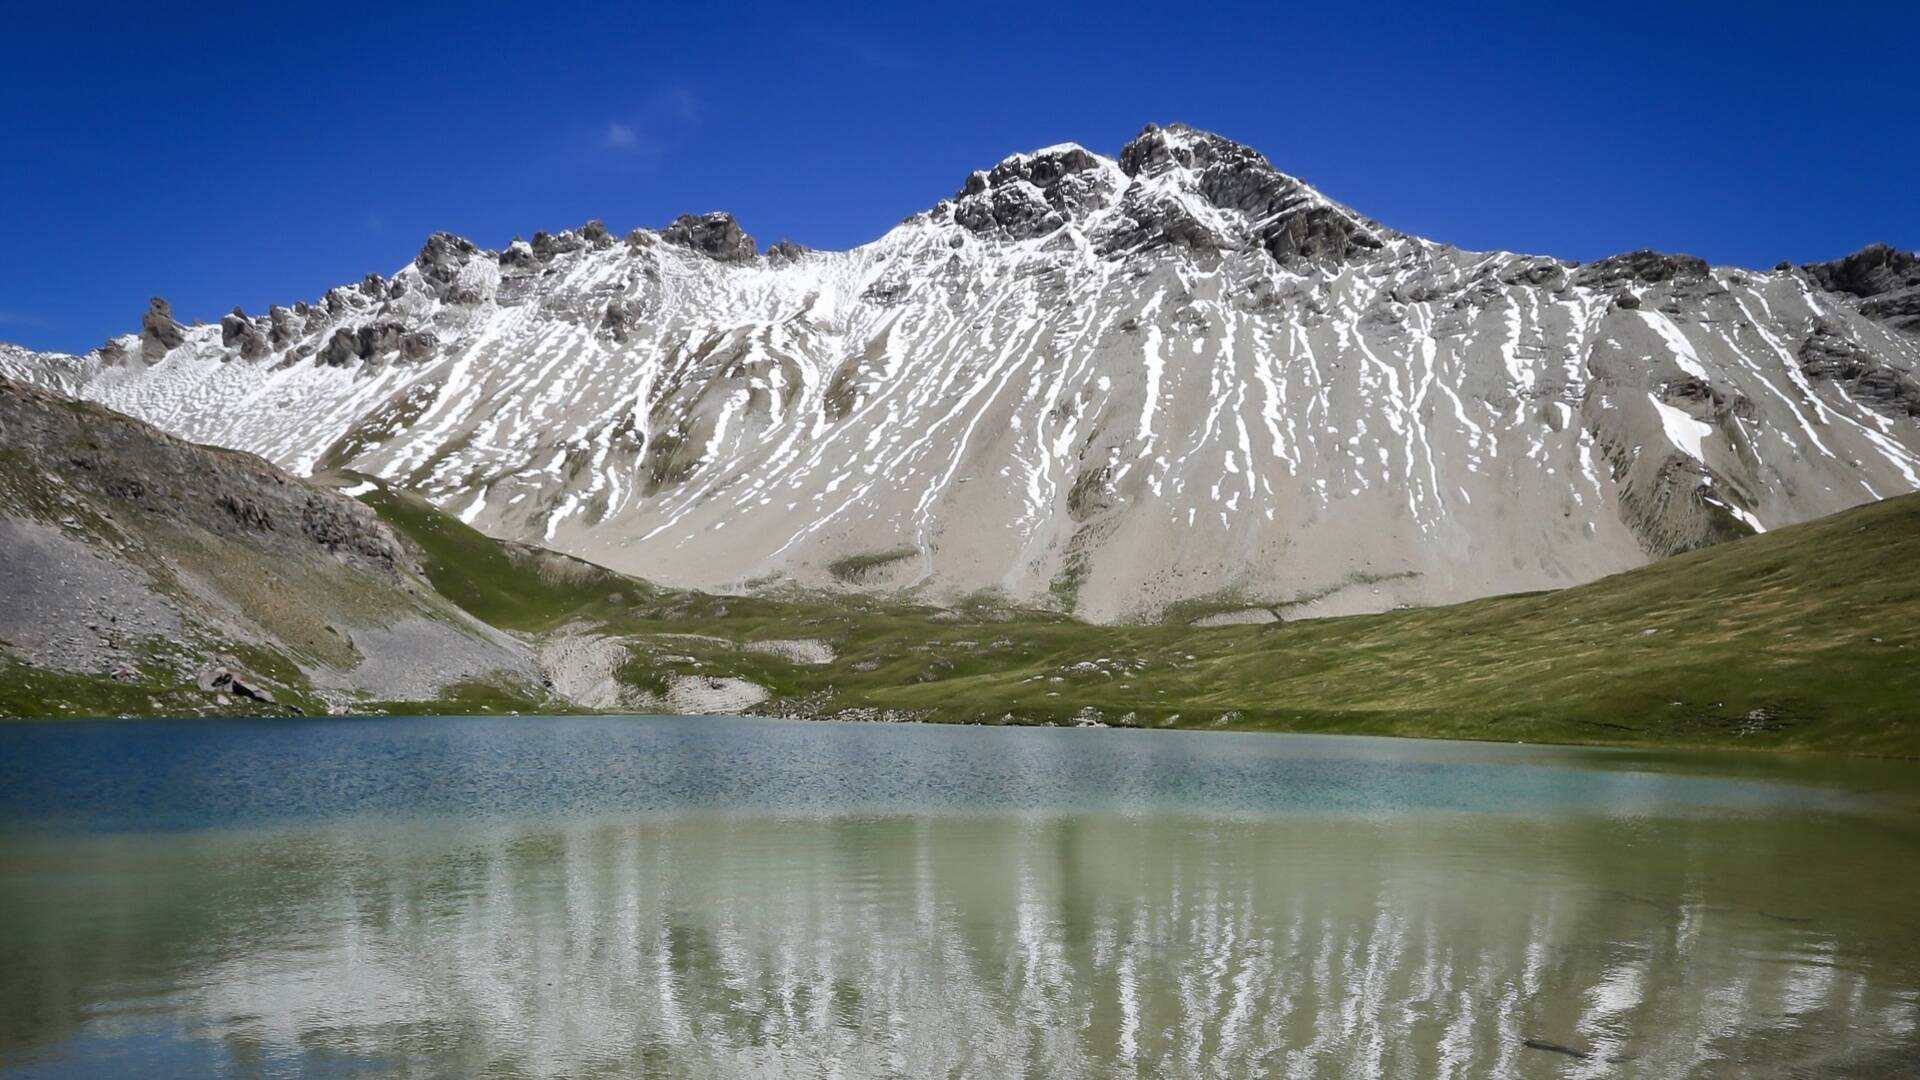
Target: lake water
{"x": 677, "y": 896}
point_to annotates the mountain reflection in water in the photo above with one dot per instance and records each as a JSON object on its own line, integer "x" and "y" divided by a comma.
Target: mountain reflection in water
{"x": 990, "y": 944}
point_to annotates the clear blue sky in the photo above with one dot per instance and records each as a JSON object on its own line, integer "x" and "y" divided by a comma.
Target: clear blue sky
{"x": 260, "y": 155}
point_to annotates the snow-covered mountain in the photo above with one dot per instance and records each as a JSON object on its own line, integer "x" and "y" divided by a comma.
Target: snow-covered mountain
{"x": 1103, "y": 384}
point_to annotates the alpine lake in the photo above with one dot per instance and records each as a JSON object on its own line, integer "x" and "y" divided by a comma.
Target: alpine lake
{"x": 732, "y": 897}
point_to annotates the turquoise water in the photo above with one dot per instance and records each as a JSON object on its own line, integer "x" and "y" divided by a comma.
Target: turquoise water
{"x": 729, "y": 897}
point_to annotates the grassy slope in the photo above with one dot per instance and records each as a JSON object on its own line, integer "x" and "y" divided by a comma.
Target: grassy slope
{"x": 1808, "y": 637}
{"x": 483, "y": 575}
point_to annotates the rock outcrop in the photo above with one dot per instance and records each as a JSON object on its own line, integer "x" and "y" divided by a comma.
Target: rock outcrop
{"x": 1640, "y": 268}
{"x": 715, "y": 235}
{"x": 239, "y": 332}
{"x": 225, "y": 681}
{"x": 1885, "y": 280}
{"x": 1829, "y": 353}
{"x": 159, "y": 334}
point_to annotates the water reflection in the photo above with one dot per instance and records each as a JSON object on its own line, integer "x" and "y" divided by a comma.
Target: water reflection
{"x": 969, "y": 945}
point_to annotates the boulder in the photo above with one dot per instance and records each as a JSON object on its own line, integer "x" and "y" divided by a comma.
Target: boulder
{"x": 224, "y": 681}
{"x": 418, "y": 345}
{"x": 614, "y": 320}
{"x": 340, "y": 350}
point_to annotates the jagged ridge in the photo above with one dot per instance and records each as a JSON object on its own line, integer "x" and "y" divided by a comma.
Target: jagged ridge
{"x": 1105, "y": 384}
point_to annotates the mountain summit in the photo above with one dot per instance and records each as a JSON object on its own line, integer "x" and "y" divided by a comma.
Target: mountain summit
{"x": 1110, "y": 385}
{"x": 1171, "y": 186}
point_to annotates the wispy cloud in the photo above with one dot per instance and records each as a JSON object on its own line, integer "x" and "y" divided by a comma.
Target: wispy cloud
{"x": 20, "y": 318}
{"x": 641, "y": 138}
{"x": 619, "y": 137}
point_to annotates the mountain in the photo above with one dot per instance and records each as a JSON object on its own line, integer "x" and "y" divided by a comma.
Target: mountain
{"x": 1106, "y": 385}
{"x": 148, "y": 576}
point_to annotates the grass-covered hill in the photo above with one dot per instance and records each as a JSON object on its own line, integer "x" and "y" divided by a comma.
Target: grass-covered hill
{"x": 1807, "y": 637}
{"x": 132, "y": 564}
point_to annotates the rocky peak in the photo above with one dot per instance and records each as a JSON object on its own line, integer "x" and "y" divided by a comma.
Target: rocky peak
{"x": 518, "y": 254}
{"x": 1874, "y": 269}
{"x": 1885, "y": 278}
{"x": 1643, "y": 267}
{"x": 1157, "y": 148}
{"x": 715, "y": 235}
{"x": 1029, "y": 195}
{"x": 1280, "y": 214}
{"x": 546, "y": 245}
{"x": 442, "y": 256}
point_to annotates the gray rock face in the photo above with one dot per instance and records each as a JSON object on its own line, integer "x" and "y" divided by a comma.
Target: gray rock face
{"x": 519, "y": 256}
{"x": 715, "y": 235}
{"x": 1887, "y": 280}
{"x": 159, "y": 334}
{"x": 315, "y": 317}
{"x": 546, "y": 245}
{"x": 1640, "y": 268}
{"x": 115, "y": 457}
{"x": 1871, "y": 271}
{"x": 1030, "y": 195}
{"x": 618, "y": 316}
{"x": 441, "y": 260}
{"x": 373, "y": 340}
{"x": 379, "y": 338}
{"x": 1291, "y": 219}
{"x": 418, "y": 345}
{"x": 282, "y": 330}
{"x": 1095, "y": 383}
{"x": 341, "y": 349}
{"x": 785, "y": 251}
{"x": 1830, "y": 353}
